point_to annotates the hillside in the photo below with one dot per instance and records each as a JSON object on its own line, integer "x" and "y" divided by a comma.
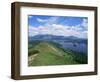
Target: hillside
{"x": 48, "y": 53}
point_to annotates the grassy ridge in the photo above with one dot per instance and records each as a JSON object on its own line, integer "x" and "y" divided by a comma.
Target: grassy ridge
{"x": 52, "y": 54}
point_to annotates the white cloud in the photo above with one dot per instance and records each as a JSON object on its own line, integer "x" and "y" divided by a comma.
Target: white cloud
{"x": 59, "y": 30}
{"x": 50, "y": 20}
{"x": 33, "y": 31}
{"x": 51, "y": 27}
{"x": 85, "y": 23}
{"x": 41, "y": 20}
{"x": 81, "y": 27}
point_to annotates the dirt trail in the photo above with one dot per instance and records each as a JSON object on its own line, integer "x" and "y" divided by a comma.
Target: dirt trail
{"x": 60, "y": 54}
{"x": 31, "y": 58}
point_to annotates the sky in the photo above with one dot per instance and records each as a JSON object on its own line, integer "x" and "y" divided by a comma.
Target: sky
{"x": 57, "y": 25}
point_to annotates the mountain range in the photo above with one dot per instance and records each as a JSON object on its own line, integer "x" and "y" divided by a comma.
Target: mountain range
{"x": 58, "y": 39}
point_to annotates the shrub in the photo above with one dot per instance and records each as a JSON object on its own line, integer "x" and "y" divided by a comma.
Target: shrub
{"x": 33, "y": 52}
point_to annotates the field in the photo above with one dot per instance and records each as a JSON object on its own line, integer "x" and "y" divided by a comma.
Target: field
{"x": 44, "y": 53}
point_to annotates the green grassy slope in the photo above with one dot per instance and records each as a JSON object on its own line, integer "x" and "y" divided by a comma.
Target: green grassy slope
{"x": 50, "y": 54}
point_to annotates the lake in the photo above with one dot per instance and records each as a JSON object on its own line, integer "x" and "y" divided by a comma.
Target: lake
{"x": 79, "y": 47}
